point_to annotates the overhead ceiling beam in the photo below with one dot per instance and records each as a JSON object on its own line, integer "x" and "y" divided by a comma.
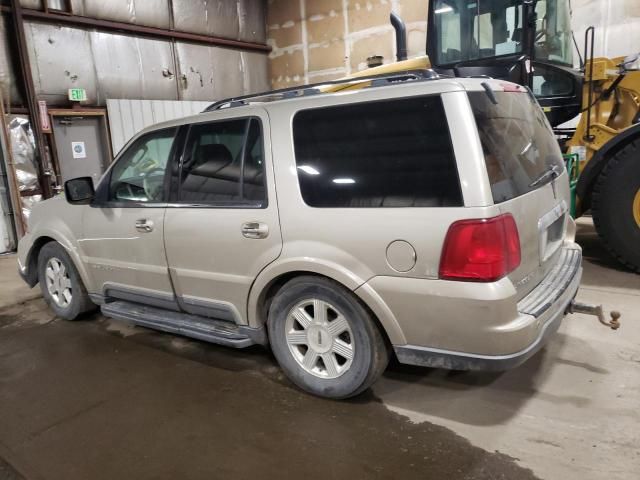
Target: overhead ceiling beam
{"x": 138, "y": 30}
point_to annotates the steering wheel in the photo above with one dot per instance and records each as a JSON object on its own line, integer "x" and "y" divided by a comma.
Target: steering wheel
{"x": 153, "y": 187}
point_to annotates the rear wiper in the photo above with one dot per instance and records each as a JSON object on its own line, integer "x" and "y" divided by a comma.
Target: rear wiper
{"x": 489, "y": 92}
{"x": 551, "y": 173}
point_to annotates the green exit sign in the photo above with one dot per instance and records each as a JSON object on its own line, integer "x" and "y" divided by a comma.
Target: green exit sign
{"x": 77, "y": 95}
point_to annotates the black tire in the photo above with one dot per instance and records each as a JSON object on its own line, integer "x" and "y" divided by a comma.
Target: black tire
{"x": 80, "y": 301}
{"x": 371, "y": 351}
{"x": 612, "y": 205}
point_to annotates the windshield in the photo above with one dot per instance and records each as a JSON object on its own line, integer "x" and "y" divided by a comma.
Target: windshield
{"x": 518, "y": 143}
{"x": 475, "y": 29}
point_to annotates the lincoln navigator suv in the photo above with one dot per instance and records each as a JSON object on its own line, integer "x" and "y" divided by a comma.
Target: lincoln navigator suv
{"x": 414, "y": 216}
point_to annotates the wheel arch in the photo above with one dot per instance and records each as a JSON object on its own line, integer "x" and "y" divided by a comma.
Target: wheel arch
{"x": 589, "y": 175}
{"x": 269, "y": 282}
{"x": 40, "y": 241}
{"x": 31, "y": 276}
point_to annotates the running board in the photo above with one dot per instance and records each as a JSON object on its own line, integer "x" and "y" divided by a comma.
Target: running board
{"x": 195, "y": 326}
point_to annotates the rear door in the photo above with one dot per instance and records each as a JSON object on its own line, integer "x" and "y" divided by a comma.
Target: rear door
{"x": 527, "y": 177}
{"x": 222, "y": 226}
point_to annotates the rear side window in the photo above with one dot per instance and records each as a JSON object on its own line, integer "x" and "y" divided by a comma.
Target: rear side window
{"x": 223, "y": 164}
{"x": 518, "y": 143}
{"x": 394, "y": 153}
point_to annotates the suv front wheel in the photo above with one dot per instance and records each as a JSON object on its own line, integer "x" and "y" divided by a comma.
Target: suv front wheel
{"x": 60, "y": 282}
{"x": 324, "y": 339}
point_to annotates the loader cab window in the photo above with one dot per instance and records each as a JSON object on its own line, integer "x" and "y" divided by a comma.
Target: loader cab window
{"x": 468, "y": 30}
{"x": 553, "y": 41}
{"x": 476, "y": 29}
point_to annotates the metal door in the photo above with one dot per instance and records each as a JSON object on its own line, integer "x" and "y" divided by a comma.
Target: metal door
{"x": 123, "y": 239}
{"x": 80, "y": 146}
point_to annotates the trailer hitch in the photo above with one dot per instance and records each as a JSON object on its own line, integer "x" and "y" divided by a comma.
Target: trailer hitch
{"x": 579, "y": 307}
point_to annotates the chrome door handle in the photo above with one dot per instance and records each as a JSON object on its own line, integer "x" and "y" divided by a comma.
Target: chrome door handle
{"x": 144, "y": 225}
{"x": 255, "y": 230}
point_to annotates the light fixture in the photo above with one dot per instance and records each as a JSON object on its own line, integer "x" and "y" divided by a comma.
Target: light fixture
{"x": 309, "y": 169}
{"x": 443, "y": 10}
{"x": 343, "y": 180}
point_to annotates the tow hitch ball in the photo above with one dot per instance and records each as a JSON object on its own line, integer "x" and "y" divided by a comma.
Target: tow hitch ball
{"x": 579, "y": 307}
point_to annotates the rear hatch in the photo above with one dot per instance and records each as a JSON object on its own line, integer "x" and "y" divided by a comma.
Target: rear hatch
{"x": 527, "y": 175}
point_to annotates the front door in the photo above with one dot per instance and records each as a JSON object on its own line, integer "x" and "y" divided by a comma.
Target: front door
{"x": 222, "y": 227}
{"x": 123, "y": 230}
{"x": 80, "y": 147}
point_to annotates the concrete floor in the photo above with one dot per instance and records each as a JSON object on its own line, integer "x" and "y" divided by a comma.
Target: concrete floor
{"x": 102, "y": 399}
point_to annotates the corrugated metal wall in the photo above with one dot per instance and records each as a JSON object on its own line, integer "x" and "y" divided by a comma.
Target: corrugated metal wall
{"x": 110, "y": 65}
{"x": 128, "y": 117}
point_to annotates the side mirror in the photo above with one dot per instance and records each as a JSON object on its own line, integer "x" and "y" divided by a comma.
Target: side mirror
{"x": 79, "y": 191}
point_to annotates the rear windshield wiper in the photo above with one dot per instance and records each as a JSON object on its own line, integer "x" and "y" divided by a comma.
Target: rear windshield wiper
{"x": 551, "y": 173}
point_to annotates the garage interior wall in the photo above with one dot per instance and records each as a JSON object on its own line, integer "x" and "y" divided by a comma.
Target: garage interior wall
{"x": 617, "y": 24}
{"x": 317, "y": 40}
{"x": 113, "y": 65}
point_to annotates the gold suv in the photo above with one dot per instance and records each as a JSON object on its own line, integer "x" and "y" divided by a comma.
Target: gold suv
{"x": 419, "y": 216}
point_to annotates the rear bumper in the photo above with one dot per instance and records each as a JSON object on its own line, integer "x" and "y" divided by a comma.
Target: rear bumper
{"x": 479, "y": 326}
{"x": 437, "y": 358}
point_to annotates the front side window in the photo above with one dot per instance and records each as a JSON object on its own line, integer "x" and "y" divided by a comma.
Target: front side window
{"x": 138, "y": 176}
{"x": 394, "y": 153}
{"x": 223, "y": 164}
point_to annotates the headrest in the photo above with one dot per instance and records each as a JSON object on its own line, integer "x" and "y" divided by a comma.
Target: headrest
{"x": 209, "y": 159}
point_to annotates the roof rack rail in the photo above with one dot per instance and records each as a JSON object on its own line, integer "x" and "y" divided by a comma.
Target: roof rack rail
{"x": 315, "y": 88}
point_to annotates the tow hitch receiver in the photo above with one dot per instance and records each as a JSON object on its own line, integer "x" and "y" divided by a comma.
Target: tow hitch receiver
{"x": 579, "y": 307}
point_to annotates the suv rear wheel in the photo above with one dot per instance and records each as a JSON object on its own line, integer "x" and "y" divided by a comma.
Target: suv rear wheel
{"x": 324, "y": 339}
{"x": 61, "y": 285}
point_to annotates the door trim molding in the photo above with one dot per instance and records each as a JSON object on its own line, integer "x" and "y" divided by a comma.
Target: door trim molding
{"x": 217, "y": 309}
{"x": 112, "y": 290}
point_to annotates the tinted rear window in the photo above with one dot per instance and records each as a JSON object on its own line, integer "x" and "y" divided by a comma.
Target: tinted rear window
{"x": 394, "y": 153}
{"x": 518, "y": 143}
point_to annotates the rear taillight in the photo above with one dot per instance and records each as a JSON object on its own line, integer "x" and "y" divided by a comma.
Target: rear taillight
{"x": 480, "y": 250}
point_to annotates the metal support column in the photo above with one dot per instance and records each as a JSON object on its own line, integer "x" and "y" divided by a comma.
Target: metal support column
{"x": 30, "y": 95}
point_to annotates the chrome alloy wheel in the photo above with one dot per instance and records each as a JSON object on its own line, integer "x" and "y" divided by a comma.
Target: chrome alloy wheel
{"x": 58, "y": 282}
{"x": 319, "y": 338}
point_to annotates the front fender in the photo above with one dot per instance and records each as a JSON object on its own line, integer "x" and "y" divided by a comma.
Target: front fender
{"x": 56, "y": 220}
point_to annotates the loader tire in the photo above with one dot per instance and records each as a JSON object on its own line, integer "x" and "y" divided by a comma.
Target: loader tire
{"x": 615, "y": 205}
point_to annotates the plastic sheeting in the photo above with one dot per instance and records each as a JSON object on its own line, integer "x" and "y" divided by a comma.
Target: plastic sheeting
{"x": 23, "y": 149}
{"x": 28, "y": 204}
